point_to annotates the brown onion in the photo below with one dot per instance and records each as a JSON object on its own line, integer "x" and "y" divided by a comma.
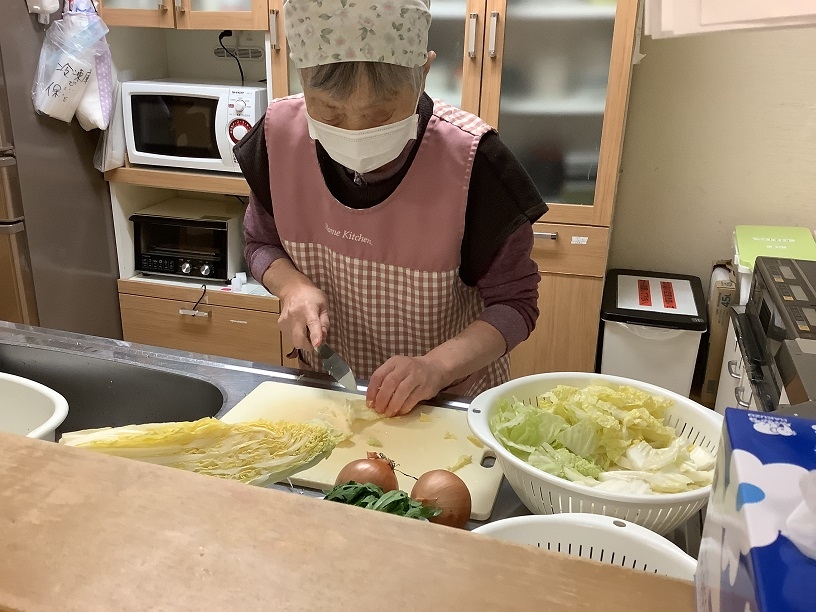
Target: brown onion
{"x": 377, "y": 469}
{"x": 446, "y": 491}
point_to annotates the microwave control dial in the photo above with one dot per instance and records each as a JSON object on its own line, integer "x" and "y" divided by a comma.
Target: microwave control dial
{"x": 205, "y": 269}
{"x": 186, "y": 267}
{"x": 239, "y": 106}
{"x": 238, "y": 128}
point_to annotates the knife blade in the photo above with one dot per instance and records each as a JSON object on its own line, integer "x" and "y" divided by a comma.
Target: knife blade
{"x": 337, "y": 367}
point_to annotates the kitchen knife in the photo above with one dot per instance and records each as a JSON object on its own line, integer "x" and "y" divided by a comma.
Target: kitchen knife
{"x": 339, "y": 369}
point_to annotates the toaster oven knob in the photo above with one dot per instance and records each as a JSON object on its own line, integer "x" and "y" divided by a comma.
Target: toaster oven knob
{"x": 186, "y": 267}
{"x": 205, "y": 269}
{"x": 238, "y": 129}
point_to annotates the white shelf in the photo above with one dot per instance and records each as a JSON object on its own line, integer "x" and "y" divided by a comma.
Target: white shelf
{"x": 560, "y": 11}
{"x": 565, "y": 106}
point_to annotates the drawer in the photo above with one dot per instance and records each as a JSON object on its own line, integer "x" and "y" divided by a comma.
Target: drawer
{"x": 571, "y": 249}
{"x": 229, "y": 332}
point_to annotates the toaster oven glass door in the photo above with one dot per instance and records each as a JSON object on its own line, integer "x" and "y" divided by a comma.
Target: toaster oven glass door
{"x": 175, "y": 126}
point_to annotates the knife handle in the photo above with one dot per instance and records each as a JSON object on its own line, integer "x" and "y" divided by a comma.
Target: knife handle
{"x": 324, "y": 351}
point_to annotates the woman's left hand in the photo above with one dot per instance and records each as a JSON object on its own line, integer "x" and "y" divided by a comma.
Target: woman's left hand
{"x": 401, "y": 383}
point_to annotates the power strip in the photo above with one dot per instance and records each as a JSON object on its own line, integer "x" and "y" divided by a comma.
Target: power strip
{"x": 242, "y": 53}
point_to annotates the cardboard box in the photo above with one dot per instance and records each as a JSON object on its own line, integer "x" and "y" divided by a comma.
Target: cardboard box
{"x": 759, "y": 539}
{"x": 722, "y": 295}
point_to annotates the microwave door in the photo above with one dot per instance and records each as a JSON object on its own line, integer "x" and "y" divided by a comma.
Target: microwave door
{"x": 178, "y": 130}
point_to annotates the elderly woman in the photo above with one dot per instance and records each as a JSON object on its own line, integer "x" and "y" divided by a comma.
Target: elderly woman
{"x": 393, "y": 227}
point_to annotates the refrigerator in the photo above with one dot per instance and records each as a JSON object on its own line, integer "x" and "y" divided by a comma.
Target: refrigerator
{"x": 58, "y": 264}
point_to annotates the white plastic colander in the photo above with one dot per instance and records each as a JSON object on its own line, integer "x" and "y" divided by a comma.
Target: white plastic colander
{"x": 599, "y": 538}
{"x": 544, "y": 493}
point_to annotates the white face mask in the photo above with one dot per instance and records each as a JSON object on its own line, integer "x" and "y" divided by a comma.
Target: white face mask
{"x": 364, "y": 150}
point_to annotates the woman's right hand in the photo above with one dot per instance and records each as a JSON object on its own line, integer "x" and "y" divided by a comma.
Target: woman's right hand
{"x": 304, "y": 317}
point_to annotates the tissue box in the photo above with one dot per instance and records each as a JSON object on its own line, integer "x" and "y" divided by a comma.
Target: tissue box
{"x": 760, "y": 525}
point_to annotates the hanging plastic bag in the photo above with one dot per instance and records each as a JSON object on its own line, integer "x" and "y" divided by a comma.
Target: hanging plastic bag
{"x": 65, "y": 66}
{"x": 110, "y": 151}
{"x": 94, "y": 110}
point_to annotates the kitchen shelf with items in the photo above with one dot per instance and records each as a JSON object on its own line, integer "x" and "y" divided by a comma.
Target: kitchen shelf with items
{"x": 187, "y": 14}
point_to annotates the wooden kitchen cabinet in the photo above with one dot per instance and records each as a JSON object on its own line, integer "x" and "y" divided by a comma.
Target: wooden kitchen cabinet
{"x": 572, "y": 262}
{"x": 225, "y": 324}
{"x": 187, "y": 14}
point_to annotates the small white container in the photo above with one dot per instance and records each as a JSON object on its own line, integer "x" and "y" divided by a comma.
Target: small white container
{"x": 29, "y": 408}
{"x": 652, "y": 326}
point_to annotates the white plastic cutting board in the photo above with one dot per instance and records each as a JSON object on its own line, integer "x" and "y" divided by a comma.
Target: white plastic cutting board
{"x": 418, "y": 444}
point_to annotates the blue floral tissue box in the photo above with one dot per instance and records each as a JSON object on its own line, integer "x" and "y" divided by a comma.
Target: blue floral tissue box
{"x": 758, "y": 552}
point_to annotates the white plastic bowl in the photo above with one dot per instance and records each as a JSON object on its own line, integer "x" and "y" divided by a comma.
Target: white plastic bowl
{"x": 29, "y": 408}
{"x": 543, "y": 493}
{"x": 599, "y": 538}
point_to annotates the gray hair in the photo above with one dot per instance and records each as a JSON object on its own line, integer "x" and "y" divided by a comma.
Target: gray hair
{"x": 341, "y": 79}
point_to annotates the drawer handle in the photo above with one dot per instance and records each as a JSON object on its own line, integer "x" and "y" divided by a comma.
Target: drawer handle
{"x": 547, "y": 235}
{"x": 738, "y": 396}
{"x": 193, "y": 313}
{"x": 732, "y": 366}
{"x": 239, "y": 322}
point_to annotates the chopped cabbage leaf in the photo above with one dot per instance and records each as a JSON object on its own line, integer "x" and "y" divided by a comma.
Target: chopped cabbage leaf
{"x": 475, "y": 441}
{"x": 356, "y": 410}
{"x": 561, "y": 462}
{"x": 256, "y": 452}
{"x": 584, "y": 435}
{"x": 460, "y": 463}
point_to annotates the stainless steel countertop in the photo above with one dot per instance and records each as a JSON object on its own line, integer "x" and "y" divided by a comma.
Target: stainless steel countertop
{"x": 234, "y": 378}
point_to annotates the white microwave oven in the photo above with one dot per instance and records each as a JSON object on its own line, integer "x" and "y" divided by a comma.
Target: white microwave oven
{"x": 181, "y": 124}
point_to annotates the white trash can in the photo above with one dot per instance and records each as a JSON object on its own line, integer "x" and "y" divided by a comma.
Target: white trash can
{"x": 652, "y": 325}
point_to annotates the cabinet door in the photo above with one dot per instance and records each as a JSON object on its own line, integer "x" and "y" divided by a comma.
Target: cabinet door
{"x": 222, "y": 14}
{"x": 457, "y": 37}
{"x": 229, "y": 332}
{"x": 566, "y": 333}
{"x": 139, "y": 13}
{"x": 546, "y": 69}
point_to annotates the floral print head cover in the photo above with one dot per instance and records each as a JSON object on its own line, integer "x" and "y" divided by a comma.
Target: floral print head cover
{"x": 330, "y": 31}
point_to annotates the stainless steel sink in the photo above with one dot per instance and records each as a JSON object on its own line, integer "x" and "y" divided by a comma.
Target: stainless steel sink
{"x": 105, "y": 393}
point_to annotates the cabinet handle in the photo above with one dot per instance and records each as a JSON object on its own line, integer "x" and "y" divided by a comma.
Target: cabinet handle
{"x": 472, "y": 20}
{"x": 494, "y": 25}
{"x": 273, "y": 29}
{"x": 732, "y": 366}
{"x": 547, "y": 235}
{"x": 738, "y": 396}
{"x": 193, "y": 313}
{"x": 179, "y": 6}
{"x": 162, "y": 5}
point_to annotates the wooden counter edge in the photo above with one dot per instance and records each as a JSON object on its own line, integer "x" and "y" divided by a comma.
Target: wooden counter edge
{"x": 84, "y": 531}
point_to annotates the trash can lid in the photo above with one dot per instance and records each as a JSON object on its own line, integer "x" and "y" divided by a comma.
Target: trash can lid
{"x": 657, "y": 299}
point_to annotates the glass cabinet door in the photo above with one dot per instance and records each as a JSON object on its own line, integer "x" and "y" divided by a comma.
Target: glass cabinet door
{"x": 554, "y": 72}
{"x": 447, "y": 39}
{"x": 451, "y": 78}
{"x": 222, "y": 14}
{"x": 141, "y": 13}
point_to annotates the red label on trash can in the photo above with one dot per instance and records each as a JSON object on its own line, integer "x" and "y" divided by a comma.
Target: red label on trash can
{"x": 668, "y": 295}
{"x": 644, "y": 293}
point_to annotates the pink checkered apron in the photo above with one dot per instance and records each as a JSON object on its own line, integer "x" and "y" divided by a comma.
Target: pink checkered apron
{"x": 390, "y": 272}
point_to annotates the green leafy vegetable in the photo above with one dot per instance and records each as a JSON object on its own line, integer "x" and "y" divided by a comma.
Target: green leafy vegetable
{"x": 611, "y": 437}
{"x": 371, "y": 496}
